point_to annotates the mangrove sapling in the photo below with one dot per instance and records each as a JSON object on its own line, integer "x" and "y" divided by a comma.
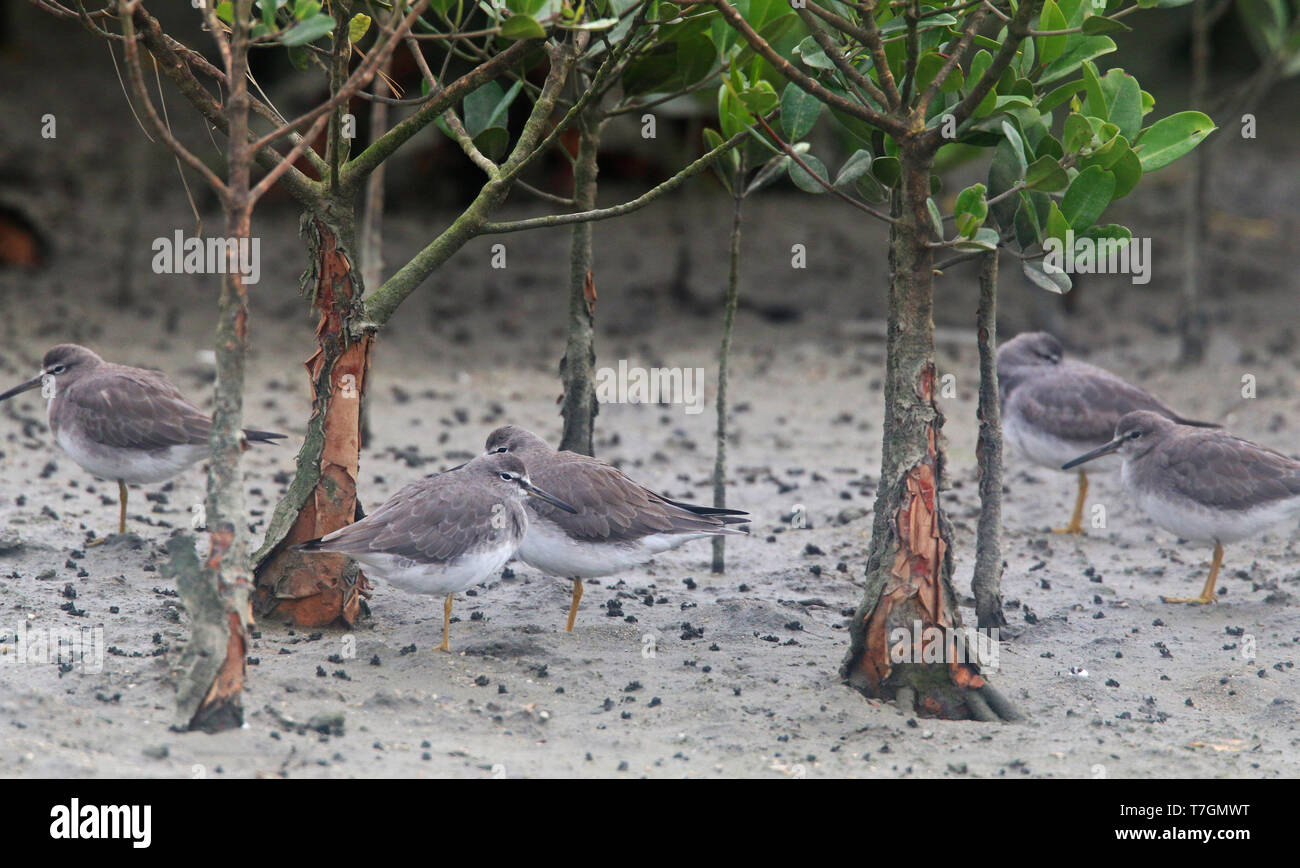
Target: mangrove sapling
{"x": 907, "y": 81}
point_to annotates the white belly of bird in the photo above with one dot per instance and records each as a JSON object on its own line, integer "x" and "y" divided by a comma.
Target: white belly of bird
{"x": 548, "y": 548}
{"x": 1195, "y": 521}
{"x": 1051, "y": 452}
{"x": 134, "y": 466}
{"x": 427, "y": 578}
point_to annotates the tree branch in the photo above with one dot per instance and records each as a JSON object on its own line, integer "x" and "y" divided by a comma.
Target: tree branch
{"x": 806, "y": 83}
{"x": 132, "y": 52}
{"x": 364, "y": 163}
{"x": 1017, "y": 30}
{"x": 627, "y": 207}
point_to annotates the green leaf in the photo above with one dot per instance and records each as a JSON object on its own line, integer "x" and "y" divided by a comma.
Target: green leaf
{"x": 1059, "y": 96}
{"x": 1005, "y": 171}
{"x": 1057, "y": 226}
{"x": 1046, "y": 174}
{"x": 298, "y": 57}
{"x": 1095, "y": 24}
{"x": 226, "y": 11}
{"x": 811, "y": 54}
{"x": 983, "y": 239}
{"x": 1017, "y": 145}
{"x": 518, "y": 27}
{"x": 799, "y": 112}
{"x": 308, "y": 30}
{"x": 1086, "y": 48}
{"x": 930, "y": 64}
{"x": 1170, "y": 138}
{"x": 805, "y": 181}
{"x": 936, "y": 219}
{"x": 886, "y": 170}
{"x": 480, "y": 107}
{"x": 304, "y": 9}
{"x": 1089, "y": 194}
{"x": 854, "y": 168}
{"x": 1127, "y": 171}
{"x": 1124, "y": 101}
{"x": 1056, "y": 281}
{"x": 971, "y": 209}
{"x": 760, "y": 99}
{"x": 358, "y": 27}
{"x": 1050, "y": 47}
{"x": 493, "y": 142}
{"x": 1077, "y": 134}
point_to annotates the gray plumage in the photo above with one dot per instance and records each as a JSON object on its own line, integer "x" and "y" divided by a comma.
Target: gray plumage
{"x": 440, "y": 518}
{"x": 1066, "y": 399}
{"x": 610, "y": 507}
{"x": 1211, "y": 468}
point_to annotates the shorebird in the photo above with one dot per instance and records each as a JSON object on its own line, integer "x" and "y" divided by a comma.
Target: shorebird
{"x": 1054, "y": 408}
{"x": 1202, "y": 485}
{"x": 444, "y": 533}
{"x": 616, "y": 523}
{"x": 130, "y": 425}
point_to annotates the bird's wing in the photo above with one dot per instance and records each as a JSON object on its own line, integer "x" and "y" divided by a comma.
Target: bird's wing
{"x": 1226, "y": 472}
{"x": 1083, "y": 405}
{"x": 135, "y": 410}
{"x": 427, "y": 521}
{"x": 610, "y": 506}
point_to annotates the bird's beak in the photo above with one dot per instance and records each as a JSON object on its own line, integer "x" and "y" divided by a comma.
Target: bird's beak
{"x": 534, "y": 491}
{"x": 1096, "y": 453}
{"x": 33, "y": 383}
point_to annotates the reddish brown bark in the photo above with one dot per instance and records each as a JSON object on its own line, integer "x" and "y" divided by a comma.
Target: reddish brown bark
{"x": 317, "y": 590}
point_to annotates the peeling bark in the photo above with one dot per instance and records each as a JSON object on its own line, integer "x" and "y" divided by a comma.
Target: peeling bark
{"x": 986, "y": 583}
{"x": 317, "y": 590}
{"x": 909, "y": 566}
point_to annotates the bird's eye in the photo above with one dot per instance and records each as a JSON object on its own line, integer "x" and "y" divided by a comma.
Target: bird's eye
{"x": 500, "y": 449}
{"x": 58, "y": 369}
{"x": 1133, "y": 435}
{"x": 507, "y": 477}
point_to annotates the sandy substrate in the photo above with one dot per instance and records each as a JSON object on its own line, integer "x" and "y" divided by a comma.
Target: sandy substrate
{"x": 672, "y": 671}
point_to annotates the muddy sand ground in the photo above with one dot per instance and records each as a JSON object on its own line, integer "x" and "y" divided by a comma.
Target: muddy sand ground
{"x": 672, "y": 671}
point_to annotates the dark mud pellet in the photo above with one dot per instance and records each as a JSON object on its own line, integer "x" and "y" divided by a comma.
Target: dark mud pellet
{"x": 320, "y": 672}
{"x": 375, "y": 661}
{"x": 689, "y": 583}
{"x": 482, "y": 681}
{"x": 407, "y": 649}
{"x": 655, "y": 702}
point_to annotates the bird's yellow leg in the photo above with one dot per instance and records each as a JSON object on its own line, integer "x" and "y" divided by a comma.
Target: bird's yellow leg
{"x": 573, "y": 607}
{"x": 1207, "y": 592}
{"x": 121, "y": 514}
{"x": 1076, "y": 520}
{"x": 446, "y": 623}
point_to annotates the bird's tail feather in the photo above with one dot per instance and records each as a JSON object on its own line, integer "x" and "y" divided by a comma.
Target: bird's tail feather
{"x": 254, "y": 436}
